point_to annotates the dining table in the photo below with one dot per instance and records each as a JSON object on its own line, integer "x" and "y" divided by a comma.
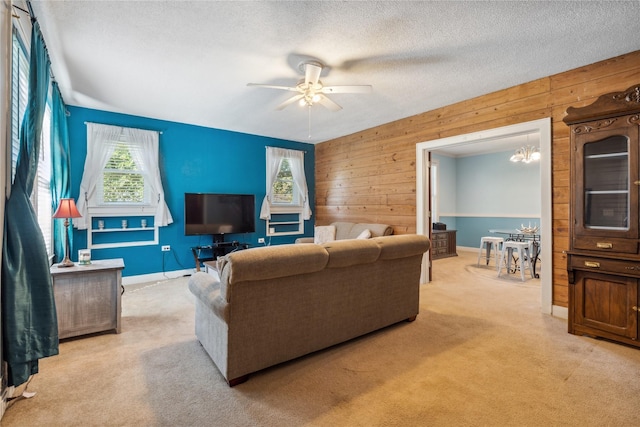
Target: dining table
{"x": 517, "y": 235}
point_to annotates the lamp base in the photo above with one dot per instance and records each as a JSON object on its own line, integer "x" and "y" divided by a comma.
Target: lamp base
{"x": 66, "y": 262}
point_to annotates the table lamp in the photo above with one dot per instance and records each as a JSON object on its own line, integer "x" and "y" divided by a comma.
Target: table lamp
{"x": 66, "y": 209}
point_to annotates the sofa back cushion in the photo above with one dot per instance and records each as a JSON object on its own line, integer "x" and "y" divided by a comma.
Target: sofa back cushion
{"x": 345, "y": 253}
{"x": 402, "y": 245}
{"x": 270, "y": 262}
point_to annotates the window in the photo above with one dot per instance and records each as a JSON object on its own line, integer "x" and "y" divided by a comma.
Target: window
{"x": 41, "y": 196}
{"x": 283, "y": 186}
{"x": 121, "y": 186}
{"x": 122, "y": 178}
{"x": 286, "y": 204}
{"x": 19, "y": 94}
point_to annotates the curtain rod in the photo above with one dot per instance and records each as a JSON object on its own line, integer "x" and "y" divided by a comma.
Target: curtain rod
{"x": 151, "y": 130}
{"x": 20, "y": 9}
{"x": 270, "y": 146}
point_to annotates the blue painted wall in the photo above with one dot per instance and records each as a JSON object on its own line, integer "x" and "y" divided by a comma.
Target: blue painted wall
{"x": 192, "y": 159}
{"x": 484, "y": 192}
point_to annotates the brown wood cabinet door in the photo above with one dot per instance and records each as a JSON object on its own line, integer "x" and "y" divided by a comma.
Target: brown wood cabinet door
{"x": 605, "y": 200}
{"x": 605, "y": 302}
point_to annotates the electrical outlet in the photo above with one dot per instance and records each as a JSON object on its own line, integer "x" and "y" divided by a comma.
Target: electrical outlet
{"x": 261, "y": 240}
{"x": 166, "y": 248}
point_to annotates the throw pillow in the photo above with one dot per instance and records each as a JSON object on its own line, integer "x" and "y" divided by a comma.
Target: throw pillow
{"x": 365, "y": 234}
{"x": 324, "y": 234}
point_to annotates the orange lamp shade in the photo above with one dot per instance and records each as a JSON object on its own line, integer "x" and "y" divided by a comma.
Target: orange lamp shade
{"x": 67, "y": 209}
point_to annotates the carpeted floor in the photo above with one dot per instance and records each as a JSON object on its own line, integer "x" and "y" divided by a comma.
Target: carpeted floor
{"x": 479, "y": 354}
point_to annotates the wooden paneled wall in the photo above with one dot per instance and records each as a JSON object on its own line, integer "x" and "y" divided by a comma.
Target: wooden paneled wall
{"x": 370, "y": 176}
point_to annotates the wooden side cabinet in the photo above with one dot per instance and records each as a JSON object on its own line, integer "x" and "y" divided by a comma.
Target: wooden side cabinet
{"x": 443, "y": 244}
{"x": 88, "y": 297}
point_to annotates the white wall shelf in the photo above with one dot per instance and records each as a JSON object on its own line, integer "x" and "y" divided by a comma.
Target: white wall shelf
{"x": 118, "y": 235}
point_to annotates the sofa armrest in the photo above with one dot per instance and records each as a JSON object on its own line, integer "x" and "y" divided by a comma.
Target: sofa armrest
{"x": 206, "y": 288}
{"x": 304, "y": 240}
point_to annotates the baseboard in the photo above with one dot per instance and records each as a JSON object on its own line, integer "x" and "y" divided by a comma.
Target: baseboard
{"x": 155, "y": 277}
{"x": 466, "y": 249}
{"x": 560, "y": 312}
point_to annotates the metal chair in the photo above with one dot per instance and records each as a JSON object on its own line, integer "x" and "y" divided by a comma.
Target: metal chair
{"x": 488, "y": 243}
{"x": 523, "y": 249}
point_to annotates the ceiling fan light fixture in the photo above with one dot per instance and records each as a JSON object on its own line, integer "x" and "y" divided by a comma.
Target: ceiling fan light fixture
{"x": 311, "y": 91}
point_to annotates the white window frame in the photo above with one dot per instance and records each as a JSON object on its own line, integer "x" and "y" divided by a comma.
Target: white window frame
{"x": 99, "y": 202}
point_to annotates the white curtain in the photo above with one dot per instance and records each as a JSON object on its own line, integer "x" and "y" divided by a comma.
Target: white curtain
{"x": 101, "y": 142}
{"x": 99, "y": 151}
{"x": 296, "y": 158}
{"x": 147, "y": 156}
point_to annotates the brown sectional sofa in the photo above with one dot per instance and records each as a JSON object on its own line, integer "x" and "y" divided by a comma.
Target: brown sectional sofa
{"x": 276, "y": 303}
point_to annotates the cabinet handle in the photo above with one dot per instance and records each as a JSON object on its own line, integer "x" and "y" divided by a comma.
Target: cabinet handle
{"x": 604, "y": 245}
{"x": 636, "y": 182}
{"x": 635, "y": 308}
{"x": 592, "y": 264}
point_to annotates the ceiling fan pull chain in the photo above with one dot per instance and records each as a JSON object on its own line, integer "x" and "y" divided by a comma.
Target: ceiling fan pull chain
{"x": 309, "y": 109}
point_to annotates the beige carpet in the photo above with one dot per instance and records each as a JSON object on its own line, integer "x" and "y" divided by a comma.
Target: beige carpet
{"x": 479, "y": 354}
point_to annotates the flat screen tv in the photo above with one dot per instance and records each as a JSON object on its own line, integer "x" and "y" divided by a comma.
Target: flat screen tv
{"x": 207, "y": 213}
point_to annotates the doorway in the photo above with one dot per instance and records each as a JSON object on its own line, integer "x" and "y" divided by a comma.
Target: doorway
{"x": 542, "y": 130}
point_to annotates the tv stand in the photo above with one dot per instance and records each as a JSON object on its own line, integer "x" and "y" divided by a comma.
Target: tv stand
{"x": 217, "y": 249}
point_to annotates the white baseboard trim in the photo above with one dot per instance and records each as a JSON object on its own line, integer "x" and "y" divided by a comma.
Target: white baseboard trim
{"x": 466, "y": 249}
{"x": 560, "y": 312}
{"x": 155, "y": 277}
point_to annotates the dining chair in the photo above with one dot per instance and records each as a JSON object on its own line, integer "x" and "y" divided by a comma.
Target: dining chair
{"x": 523, "y": 250}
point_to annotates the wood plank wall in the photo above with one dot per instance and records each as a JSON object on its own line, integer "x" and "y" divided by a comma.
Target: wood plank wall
{"x": 370, "y": 176}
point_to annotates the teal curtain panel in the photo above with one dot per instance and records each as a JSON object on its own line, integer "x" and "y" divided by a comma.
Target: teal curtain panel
{"x": 30, "y": 327}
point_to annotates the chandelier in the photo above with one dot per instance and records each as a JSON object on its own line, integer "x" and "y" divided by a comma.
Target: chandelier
{"x": 526, "y": 154}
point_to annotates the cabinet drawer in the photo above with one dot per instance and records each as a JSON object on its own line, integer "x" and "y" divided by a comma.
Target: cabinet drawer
{"x": 628, "y": 268}
{"x": 606, "y": 244}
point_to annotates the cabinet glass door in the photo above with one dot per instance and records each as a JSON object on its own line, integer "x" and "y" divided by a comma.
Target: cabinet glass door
{"x": 606, "y": 183}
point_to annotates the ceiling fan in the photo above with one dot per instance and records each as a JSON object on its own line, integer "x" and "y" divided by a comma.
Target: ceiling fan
{"x": 310, "y": 90}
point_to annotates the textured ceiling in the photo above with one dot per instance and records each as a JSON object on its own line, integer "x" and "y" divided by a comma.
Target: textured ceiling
{"x": 190, "y": 61}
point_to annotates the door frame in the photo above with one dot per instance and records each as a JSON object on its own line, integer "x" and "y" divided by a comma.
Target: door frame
{"x": 541, "y": 127}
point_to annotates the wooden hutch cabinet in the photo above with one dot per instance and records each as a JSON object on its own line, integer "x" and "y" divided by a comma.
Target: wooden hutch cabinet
{"x": 604, "y": 259}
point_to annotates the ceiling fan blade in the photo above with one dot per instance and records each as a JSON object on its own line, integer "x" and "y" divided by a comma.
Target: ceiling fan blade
{"x": 289, "y": 101}
{"x": 348, "y": 89}
{"x": 289, "y": 88}
{"x": 329, "y": 104}
{"x": 312, "y": 74}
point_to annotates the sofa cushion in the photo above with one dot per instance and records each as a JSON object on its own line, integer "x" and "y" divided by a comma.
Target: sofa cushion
{"x": 350, "y": 230}
{"x": 270, "y": 262}
{"x": 324, "y": 233}
{"x": 345, "y": 253}
{"x": 402, "y": 245}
